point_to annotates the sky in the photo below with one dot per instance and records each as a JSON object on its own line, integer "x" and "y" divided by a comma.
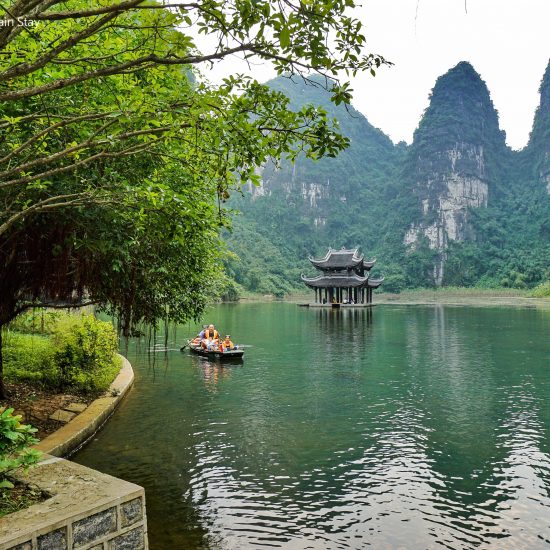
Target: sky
{"x": 507, "y": 42}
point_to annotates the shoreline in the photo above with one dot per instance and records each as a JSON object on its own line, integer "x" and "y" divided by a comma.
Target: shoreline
{"x": 453, "y": 297}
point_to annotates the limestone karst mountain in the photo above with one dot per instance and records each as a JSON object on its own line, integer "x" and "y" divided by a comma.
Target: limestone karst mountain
{"x": 538, "y": 149}
{"x": 454, "y": 163}
{"x": 457, "y": 206}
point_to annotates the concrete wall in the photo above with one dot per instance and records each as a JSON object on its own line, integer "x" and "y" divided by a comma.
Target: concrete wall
{"x": 87, "y": 510}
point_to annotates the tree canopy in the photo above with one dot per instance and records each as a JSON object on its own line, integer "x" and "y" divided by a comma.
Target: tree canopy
{"x": 115, "y": 156}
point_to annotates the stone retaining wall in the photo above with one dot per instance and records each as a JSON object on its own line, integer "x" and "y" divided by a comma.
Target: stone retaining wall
{"x": 75, "y": 433}
{"x": 87, "y": 510}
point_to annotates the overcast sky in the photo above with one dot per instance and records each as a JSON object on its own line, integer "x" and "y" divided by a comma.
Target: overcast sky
{"x": 507, "y": 42}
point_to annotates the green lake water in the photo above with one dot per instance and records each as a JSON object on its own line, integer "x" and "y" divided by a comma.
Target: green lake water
{"x": 396, "y": 427}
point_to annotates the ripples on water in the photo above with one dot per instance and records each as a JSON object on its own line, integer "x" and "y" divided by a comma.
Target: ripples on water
{"x": 393, "y": 428}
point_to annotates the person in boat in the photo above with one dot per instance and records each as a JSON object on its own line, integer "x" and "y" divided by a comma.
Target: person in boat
{"x": 200, "y": 336}
{"x": 227, "y": 344}
{"x": 211, "y": 338}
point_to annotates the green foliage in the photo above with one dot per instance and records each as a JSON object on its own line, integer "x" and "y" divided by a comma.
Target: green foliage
{"x": 116, "y": 156}
{"x": 15, "y": 438}
{"x": 29, "y": 358}
{"x": 372, "y": 194}
{"x": 36, "y": 322}
{"x": 486, "y": 282}
{"x": 85, "y": 353}
{"x": 395, "y": 279}
{"x": 542, "y": 290}
{"x": 80, "y": 354}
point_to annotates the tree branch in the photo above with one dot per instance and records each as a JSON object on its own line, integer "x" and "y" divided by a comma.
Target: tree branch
{"x": 121, "y": 68}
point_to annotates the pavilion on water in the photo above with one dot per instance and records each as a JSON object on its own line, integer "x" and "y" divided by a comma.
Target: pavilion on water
{"x": 344, "y": 279}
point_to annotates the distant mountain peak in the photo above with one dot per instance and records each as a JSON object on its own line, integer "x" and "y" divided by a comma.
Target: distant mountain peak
{"x": 544, "y": 89}
{"x": 460, "y": 110}
{"x": 450, "y": 161}
{"x": 539, "y": 147}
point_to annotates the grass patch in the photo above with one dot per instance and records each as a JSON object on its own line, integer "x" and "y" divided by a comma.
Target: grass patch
{"x": 465, "y": 291}
{"x": 19, "y": 498}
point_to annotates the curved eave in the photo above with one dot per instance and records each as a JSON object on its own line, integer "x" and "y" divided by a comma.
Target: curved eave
{"x": 335, "y": 281}
{"x": 331, "y": 260}
{"x": 368, "y": 265}
{"x": 375, "y": 283}
{"x": 334, "y": 266}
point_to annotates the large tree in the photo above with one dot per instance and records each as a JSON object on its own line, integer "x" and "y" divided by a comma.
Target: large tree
{"x": 115, "y": 155}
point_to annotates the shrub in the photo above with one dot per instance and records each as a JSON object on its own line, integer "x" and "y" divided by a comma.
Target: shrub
{"x": 541, "y": 291}
{"x": 79, "y": 355}
{"x": 15, "y": 438}
{"x": 29, "y": 358}
{"x": 85, "y": 352}
{"x": 37, "y": 322}
{"x": 488, "y": 283}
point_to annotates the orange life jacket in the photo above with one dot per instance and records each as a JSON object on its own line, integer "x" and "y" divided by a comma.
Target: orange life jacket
{"x": 215, "y": 335}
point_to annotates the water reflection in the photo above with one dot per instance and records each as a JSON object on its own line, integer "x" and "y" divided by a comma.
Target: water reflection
{"x": 212, "y": 372}
{"x": 385, "y": 428}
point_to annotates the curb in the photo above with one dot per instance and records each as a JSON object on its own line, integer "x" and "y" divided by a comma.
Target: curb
{"x": 70, "y": 437}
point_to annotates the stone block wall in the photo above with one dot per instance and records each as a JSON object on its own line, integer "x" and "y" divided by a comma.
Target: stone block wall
{"x": 87, "y": 510}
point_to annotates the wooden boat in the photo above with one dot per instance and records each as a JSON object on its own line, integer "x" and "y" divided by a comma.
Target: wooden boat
{"x": 214, "y": 354}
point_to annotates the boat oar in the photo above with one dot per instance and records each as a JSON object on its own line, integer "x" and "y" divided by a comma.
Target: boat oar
{"x": 185, "y": 345}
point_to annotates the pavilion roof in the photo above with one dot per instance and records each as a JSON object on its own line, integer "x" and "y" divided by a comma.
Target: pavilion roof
{"x": 336, "y": 280}
{"x": 375, "y": 283}
{"x": 339, "y": 259}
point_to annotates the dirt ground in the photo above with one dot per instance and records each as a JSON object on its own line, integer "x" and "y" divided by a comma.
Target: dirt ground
{"x": 36, "y": 405}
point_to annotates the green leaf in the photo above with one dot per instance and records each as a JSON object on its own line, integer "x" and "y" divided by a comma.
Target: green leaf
{"x": 284, "y": 37}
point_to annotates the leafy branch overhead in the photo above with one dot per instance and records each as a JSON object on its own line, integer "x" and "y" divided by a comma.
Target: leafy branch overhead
{"x": 115, "y": 155}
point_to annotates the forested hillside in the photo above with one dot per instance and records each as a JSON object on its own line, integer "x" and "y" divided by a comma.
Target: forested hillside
{"x": 456, "y": 207}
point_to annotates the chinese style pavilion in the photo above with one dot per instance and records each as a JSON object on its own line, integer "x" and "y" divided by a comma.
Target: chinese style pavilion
{"x": 345, "y": 278}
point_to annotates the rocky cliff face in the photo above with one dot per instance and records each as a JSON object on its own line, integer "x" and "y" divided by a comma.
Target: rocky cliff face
{"x": 330, "y": 188}
{"x": 451, "y": 163}
{"x": 538, "y": 149}
{"x": 455, "y": 207}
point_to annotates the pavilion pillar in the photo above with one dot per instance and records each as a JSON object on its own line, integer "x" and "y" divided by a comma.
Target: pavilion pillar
{"x": 355, "y": 294}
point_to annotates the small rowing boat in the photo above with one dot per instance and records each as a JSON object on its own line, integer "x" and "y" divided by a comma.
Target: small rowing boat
{"x": 214, "y": 354}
